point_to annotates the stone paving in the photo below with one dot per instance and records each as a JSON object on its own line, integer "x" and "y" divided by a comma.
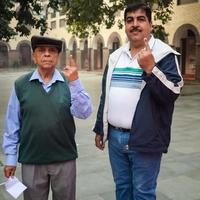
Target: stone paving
{"x": 180, "y": 169}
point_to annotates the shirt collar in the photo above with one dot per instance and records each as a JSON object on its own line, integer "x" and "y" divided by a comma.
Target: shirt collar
{"x": 56, "y": 76}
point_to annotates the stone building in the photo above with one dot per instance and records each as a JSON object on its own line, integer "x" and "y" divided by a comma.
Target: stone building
{"x": 184, "y": 35}
{"x": 92, "y": 53}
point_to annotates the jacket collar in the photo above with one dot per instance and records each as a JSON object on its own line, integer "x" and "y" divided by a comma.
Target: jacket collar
{"x": 151, "y": 42}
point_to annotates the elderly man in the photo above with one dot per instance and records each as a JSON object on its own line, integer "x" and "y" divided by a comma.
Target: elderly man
{"x": 40, "y": 119}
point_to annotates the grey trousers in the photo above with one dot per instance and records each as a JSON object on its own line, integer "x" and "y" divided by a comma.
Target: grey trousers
{"x": 60, "y": 176}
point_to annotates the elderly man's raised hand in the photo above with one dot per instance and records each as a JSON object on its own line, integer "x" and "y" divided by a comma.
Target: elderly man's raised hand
{"x": 70, "y": 70}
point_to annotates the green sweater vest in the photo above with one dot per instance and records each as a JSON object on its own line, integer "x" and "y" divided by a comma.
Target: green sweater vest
{"x": 47, "y": 127}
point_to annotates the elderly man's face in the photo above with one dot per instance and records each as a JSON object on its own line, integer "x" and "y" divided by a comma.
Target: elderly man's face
{"x": 46, "y": 56}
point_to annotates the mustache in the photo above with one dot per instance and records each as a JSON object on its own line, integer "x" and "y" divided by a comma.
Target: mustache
{"x": 135, "y": 29}
{"x": 46, "y": 60}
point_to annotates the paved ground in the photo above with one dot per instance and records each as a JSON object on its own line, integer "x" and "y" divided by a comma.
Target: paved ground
{"x": 180, "y": 171}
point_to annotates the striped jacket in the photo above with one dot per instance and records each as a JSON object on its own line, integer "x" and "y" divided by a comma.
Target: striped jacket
{"x": 151, "y": 126}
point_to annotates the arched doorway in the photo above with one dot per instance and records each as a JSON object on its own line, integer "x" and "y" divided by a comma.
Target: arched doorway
{"x": 74, "y": 49}
{"x": 72, "y": 46}
{"x": 99, "y": 60}
{"x": 98, "y": 45}
{"x": 97, "y": 54}
{"x": 114, "y": 42}
{"x": 85, "y": 63}
{"x": 3, "y": 55}
{"x": 185, "y": 41}
{"x": 24, "y": 54}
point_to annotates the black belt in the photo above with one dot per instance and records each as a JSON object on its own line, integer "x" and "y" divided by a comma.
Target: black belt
{"x": 120, "y": 129}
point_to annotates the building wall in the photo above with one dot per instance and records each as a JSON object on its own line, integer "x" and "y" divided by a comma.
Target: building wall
{"x": 183, "y": 15}
{"x": 92, "y": 53}
{"x": 184, "y": 35}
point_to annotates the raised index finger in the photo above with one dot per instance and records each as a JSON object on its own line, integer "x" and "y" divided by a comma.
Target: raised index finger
{"x": 146, "y": 45}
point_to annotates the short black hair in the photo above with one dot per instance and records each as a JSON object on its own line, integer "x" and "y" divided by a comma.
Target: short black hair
{"x": 136, "y": 6}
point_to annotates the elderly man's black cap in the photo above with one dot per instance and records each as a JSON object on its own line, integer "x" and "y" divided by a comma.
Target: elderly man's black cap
{"x": 41, "y": 40}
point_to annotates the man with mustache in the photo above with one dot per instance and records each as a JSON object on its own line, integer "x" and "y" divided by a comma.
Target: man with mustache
{"x": 140, "y": 85}
{"x": 40, "y": 118}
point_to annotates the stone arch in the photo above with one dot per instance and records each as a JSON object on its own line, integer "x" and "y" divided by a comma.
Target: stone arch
{"x": 114, "y": 42}
{"x": 96, "y": 39}
{"x": 72, "y": 46}
{"x": 185, "y": 40}
{"x": 24, "y": 50}
{"x": 98, "y": 45}
{"x": 84, "y": 49}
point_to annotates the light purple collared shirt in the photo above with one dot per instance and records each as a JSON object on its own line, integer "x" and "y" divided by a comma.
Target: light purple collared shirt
{"x": 81, "y": 107}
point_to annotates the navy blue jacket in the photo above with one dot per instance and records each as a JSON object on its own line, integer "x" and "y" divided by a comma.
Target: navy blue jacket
{"x": 151, "y": 126}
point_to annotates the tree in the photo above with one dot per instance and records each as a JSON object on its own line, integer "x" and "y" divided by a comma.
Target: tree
{"x": 26, "y": 13}
{"x": 83, "y": 17}
{"x": 82, "y": 24}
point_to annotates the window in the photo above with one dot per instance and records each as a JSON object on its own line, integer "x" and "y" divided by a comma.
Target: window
{"x": 53, "y": 25}
{"x": 53, "y": 14}
{"x": 181, "y": 2}
{"x": 115, "y": 44}
{"x": 62, "y": 23}
{"x": 62, "y": 12}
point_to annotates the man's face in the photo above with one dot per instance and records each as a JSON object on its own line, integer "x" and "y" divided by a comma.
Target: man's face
{"x": 137, "y": 27}
{"x": 46, "y": 56}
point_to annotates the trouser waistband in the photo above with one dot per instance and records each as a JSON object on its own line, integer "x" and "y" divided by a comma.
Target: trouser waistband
{"x": 120, "y": 129}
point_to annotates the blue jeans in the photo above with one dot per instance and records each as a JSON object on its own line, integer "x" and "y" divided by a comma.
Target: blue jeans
{"x": 135, "y": 173}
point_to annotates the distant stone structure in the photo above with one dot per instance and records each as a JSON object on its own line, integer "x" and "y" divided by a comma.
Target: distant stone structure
{"x": 92, "y": 53}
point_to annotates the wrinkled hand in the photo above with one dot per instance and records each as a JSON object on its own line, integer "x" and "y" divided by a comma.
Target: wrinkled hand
{"x": 99, "y": 142}
{"x": 9, "y": 171}
{"x": 145, "y": 58}
{"x": 70, "y": 71}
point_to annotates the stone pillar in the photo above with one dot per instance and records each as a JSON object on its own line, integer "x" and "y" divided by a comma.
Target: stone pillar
{"x": 82, "y": 66}
{"x": 105, "y": 56}
{"x": 89, "y": 59}
{"x": 78, "y": 59}
{"x": 92, "y": 59}
{"x": 13, "y": 59}
{"x": 198, "y": 62}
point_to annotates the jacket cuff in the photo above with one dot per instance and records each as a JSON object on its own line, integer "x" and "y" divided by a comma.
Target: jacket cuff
{"x": 148, "y": 77}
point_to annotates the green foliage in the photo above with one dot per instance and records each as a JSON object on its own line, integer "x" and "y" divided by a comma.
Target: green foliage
{"x": 6, "y": 15}
{"x": 27, "y": 14}
{"x": 159, "y": 32}
{"x": 86, "y": 17}
{"x": 83, "y": 17}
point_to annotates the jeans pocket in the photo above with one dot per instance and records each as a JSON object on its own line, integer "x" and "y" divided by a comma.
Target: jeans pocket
{"x": 119, "y": 139}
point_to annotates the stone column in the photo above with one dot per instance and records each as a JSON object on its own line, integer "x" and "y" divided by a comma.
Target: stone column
{"x": 105, "y": 56}
{"x": 13, "y": 59}
{"x": 92, "y": 59}
{"x": 89, "y": 59}
{"x": 78, "y": 59}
